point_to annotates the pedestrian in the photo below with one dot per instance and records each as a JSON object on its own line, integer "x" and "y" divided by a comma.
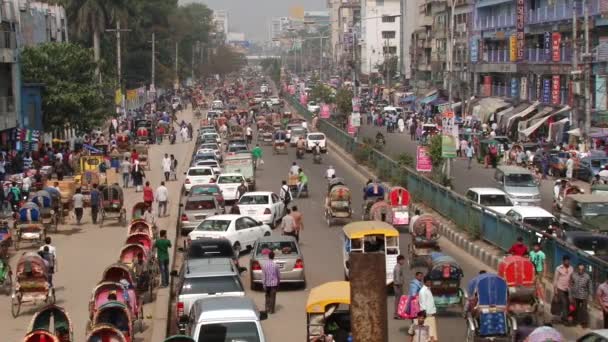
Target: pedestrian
{"x": 537, "y": 257}
{"x": 302, "y": 182}
{"x": 249, "y": 134}
{"x": 285, "y": 193}
{"x": 95, "y": 203}
{"x": 241, "y": 190}
{"x": 469, "y": 152}
{"x": 49, "y": 259}
{"x": 125, "y": 169}
{"x": 166, "y": 165}
{"x": 271, "y": 277}
{"x": 427, "y": 305}
{"x": 184, "y": 133}
{"x": 162, "y": 196}
{"x": 561, "y": 286}
{"x": 48, "y": 244}
{"x": 518, "y": 248}
{"x": 162, "y": 245}
{"x": 569, "y": 167}
{"x": 148, "y": 194}
{"x": 149, "y": 216}
{"x": 413, "y": 220}
{"x": 78, "y": 203}
{"x": 581, "y": 289}
{"x": 602, "y": 299}
{"x": 298, "y": 219}
{"x": 416, "y": 284}
{"x": 398, "y": 283}
{"x": 257, "y": 153}
{"x": 173, "y": 174}
{"x": 138, "y": 175}
{"x": 419, "y": 331}
{"x": 288, "y": 224}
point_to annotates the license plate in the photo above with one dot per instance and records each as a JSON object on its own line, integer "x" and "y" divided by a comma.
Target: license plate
{"x": 200, "y": 217}
{"x": 251, "y": 212}
{"x": 281, "y": 266}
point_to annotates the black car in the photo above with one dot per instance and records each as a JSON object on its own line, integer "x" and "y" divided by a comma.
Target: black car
{"x": 207, "y": 248}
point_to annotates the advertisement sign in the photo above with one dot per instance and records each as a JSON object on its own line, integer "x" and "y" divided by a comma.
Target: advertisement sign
{"x": 474, "y": 50}
{"x": 538, "y": 88}
{"x": 523, "y": 89}
{"x": 355, "y": 119}
{"x": 547, "y": 45}
{"x": 325, "y": 112}
{"x": 449, "y": 134}
{"x": 292, "y": 90}
{"x": 303, "y": 99}
{"x": 423, "y": 159}
{"x": 487, "y": 85}
{"x": 351, "y": 129}
{"x": 514, "y": 87}
{"x": 520, "y": 29}
{"x": 356, "y": 104}
{"x": 556, "y": 43}
{"x": 600, "y": 92}
{"x": 513, "y": 48}
{"x": 555, "y": 93}
{"x": 571, "y": 93}
{"x": 546, "y": 90}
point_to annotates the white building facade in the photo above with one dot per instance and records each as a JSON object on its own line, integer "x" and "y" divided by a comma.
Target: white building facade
{"x": 220, "y": 21}
{"x": 380, "y": 33}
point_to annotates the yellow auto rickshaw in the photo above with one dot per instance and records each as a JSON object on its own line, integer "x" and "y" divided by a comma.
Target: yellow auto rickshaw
{"x": 371, "y": 237}
{"x": 328, "y": 311}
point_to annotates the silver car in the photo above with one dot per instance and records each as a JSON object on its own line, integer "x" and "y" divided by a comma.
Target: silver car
{"x": 196, "y": 209}
{"x": 287, "y": 255}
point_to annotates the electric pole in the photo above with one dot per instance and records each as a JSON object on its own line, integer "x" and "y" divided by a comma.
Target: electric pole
{"x": 587, "y": 60}
{"x": 176, "y": 62}
{"x": 118, "y": 30}
{"x": 153, "y": 83}
{"x": 575, "y": 119}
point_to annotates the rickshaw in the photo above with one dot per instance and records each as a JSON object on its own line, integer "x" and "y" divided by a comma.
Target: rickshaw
{"x": 90, "y": 163}
{"x": 279, "y": 145}
{"x": 123, "y": 142}
{"x": 49, "y": 215}
{"x": 371, "y": 237}
{"x": 486, "y": 308}
{"x": 372, "y": 193}
{"x": 142, "y": 152}
{"x": 29, "y": 226}
{"x": 337, "y": 202}
{"x": 141, "y": 239}
{"x": 399, "y": 200}
{"x": 55, "y": 320}
{"x": 425, "y": 241}
{"x": 40, "y": 335}
{"x": 143, "y": 285}
{"x": 105, "y": 333}
{"x": 484, "y": 149}
{"x": 112, "y": 204}
{"x": 141, "y": 226}
{"x": 179, "y": 338}
{"x": 445, "y": 274}
{"x": 87, "y": 179}
{"x": 6, "y": 239}
{"x": 265, "y": 134}
{"x": 124, "y": 294}
{"x": 524, "y": 292}
{"x": 66, "y": 191}
{"x": 138, "y": 211}
{"x": 428, "y": 131}
{"x": 6, "y": 273}
{"x": 328, "y": 303}
{"x": 381, "y": 211}
{"x": 31, "y": 282}
{"x": 143, "y": 135}
{"x": 116, "y": 314}
{"x": 236, "y": 131}
{"x": 129, "y": 253}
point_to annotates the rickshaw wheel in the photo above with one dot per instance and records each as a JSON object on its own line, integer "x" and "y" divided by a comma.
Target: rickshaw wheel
{"x": 16, "y": 306}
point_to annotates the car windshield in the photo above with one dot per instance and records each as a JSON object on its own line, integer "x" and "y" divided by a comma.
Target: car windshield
{"x": 520, "y": 179}
{"x": 208, "y": 147}
{"x": 200, "y": 205}
{"x": 495, "y": 200}
{"x": 235, "y": 148}
{"x": 206, "y": 163}
{"x": 541, "y": 222}
{"x": 210, "y": 285}
{"x": 200, "y": 172}
{"x": 229, "y": 332}
{"x": 254, "y": 199}
{"x": 595, "y": 209}
{"x": 203, "y": 190}
{"x": 229, "y": 179}
{"x": 208, "y": 250}
{"x": 280, "y": 248}
{"x": 213, "y": 226}
{"x": 316, "y": 137}
{"x": 597, "y": 245}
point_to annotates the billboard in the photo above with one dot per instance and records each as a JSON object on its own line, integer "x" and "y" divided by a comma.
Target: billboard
{"x": 449, "y": 134}
{"x": 423, "y": 159}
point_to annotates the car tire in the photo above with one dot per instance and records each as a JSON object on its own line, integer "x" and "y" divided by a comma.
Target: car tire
{"x": 267, "y": 234}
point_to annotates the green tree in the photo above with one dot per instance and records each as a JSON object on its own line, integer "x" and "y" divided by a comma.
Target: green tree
{"x": 344, "y": 101}
{"x": 72, "y": 97}
{"x": 321, "y": 92}
{"x": 435, "y": 150}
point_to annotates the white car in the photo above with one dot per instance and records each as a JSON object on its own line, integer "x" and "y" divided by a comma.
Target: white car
{"x": 211, "y": 163}
{"x": 217, "y": 105}
{"x": 211, "y": 136}
{"x": 491, "y": 198}
{"x": 264, "y": 89}
{"x": 536, "y": 217}
{"x": 258, "y": 98}
{"x": 197, "y": 175}
{"x": 242, "y": 231}
{"x": 313, "y": 139}
{"x": 217, "y": 153}
{"x": 265, "y": 206}
{"x": 313, "y": 107}
{"x": 229, "y": 183}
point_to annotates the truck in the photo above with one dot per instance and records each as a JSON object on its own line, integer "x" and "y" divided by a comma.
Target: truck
{"x": 241, "y": 163}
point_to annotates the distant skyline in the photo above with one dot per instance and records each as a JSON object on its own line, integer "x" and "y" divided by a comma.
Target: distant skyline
{"x": 252, "y": 17}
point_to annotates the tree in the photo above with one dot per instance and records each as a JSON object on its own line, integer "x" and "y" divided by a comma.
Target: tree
{"x": 321, "y": 92}
{"x": 390, "y": 62}
{"x": 72, "y": 97}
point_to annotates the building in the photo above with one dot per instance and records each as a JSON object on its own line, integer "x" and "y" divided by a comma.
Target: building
{"x": 220, "y": 21}
{"x": 24, "y": 23}
{"x": 278, "y": 26}
{"x": 345, "y": 33}
{"x": 380, "y": 33}
{"x": 318, "y": 18}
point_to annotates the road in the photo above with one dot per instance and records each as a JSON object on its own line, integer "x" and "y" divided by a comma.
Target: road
{"x": 84, "y": 251}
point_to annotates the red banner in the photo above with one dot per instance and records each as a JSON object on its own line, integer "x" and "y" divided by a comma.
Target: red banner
{"x": 520, "y": 29}
{"x": 487, "y": 85}
{"x": 570, "y": 94}
{"x": 556, "y": 42}
{"x": 555, "y": 93}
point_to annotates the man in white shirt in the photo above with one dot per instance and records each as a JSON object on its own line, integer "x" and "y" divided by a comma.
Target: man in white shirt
{"x": 330, "y": 172}
{"x": 569, "y": 168}
{"x": 427, "y": 304}
{"x": 294, "y": 170}
{"x": 52, "y": 250}
{"x": 166, "y": 164}
{"x": 413, "y": 220}
{"x": 604, "y": 173}
{"x": 162, "y": 196}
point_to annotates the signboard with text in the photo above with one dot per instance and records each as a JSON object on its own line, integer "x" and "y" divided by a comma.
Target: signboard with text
{"x": 449, "y": 134}
{"x": 555, "y": 90}
{"x": 523, "y": 88}
{"x": 556, "y": 41}
{"x": 474, "y": 50}
{"x": 546, "y": 90}
{"x": 325, "y": 112}
{"x": 355, "y": 119}
{"x": 423, "y": 159}
{"x": 513, "y": 48}
{"x": 520, "y": 29}
{"x": 547, "y": 45}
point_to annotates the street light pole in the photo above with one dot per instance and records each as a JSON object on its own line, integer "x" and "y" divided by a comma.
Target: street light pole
{"x": 587, "y": 59}
{"x": 321, "y": 60}
{"x": 118, "y": 30}
{"x": 153, "y": 83}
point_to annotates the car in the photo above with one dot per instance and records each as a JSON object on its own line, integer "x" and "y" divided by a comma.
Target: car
{"x": 196, "y": 209}
{"x": 209, "y": 162}
{"x": 287, "y": 255}
{"x": 217, "y": 155}
{"x": 210, "y": 189}
{"x": 211, "y": 136}
{"x": 316, "y": 138}
{"x": 206, "y": 248}
{"x": 600, "y": 335}
{"x": 206, "y": 129}
{"x": 242, "y": 231}
{"x": 198, "y": 175}
{"x": 217, "y": 105}
{"x": 264, "y": 206}
{"x": 519, "y": 184}
{"x": 257, "y": 98}
{"x": 313, "y": 107}
{"x": 211, "y": 146}
{"x": 264, "y": 88}
{"x": 229, "y": 183}
{"x": 225, "y": 319}
{"x": 201, "y": 278}
{"x": 205, "y": 154}
{"x": 536, "y": 217}
{"x": 236, "y": 148}
{"x": 296, "y": 133}
{"x": 492, "y": 198}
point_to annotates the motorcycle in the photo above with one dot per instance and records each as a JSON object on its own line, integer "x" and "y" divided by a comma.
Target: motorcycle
{"x": 300, "y": 153}
{"x": 316, "y": 155}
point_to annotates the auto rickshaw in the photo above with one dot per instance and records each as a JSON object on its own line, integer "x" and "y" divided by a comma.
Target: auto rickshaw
{"x": 90, "y": 163}
{"x": 599, "y": 189}
{"x": 399, "y": 200}
{"x": 142, "y": 151}
{"x": 279, "y": 145}
{"x": 328, "y": 311}
{"x": 445, "y": 274}
{"x": 484, "y": 149}
{"x": 371, "y": 237}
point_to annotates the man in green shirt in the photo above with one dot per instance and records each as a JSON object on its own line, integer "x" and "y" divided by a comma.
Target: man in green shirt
{"x": 537, "y": 257}
{"x": 257, "y": 155}
{"x": 302, "y": 182}
{"x": 162, "y": 246}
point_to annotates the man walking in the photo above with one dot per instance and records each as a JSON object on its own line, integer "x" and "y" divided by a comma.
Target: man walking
{"x": 561, "y": 285}
{"x": 271, "y": 278}
{"x": 602, "y": 299}
{"x": 78, "y": 202}
{"x": 95, "y": 203}
{"x": 125, "y": 169}
{"x": 288, "y": 224}
{"x": 257, "y": 154}
{"x": 580, "y": 290}
{"x": 427, "y": 304}
{"x": 162, "y": 196}
{"x": 285, "y": 194}
{"x": 162, "y": 245}
{"x": 298, "y": 220}
{"x": 166, "y": 164}
{"x": 469, "y": 151}
{"x": 398, "y": 282}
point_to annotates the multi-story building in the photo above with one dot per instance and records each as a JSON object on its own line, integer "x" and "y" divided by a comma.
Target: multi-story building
{"x": 220, "y": 21}
{"x": 320, "y": 18}
{"x": 278, "y": 26}
{"x": 345, "y": 32}
{"x": 380, "y": 33}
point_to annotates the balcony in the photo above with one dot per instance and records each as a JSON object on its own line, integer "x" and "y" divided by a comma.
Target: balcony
{"x": 495, "y": 22}
{"x": 8, "y": 40}
{"x": 532, "y": 55}
{"x": 549, "y": 14}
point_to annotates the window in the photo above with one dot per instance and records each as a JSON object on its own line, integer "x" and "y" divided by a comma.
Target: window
{"x": 229, "y": 331}
{"x": 213, "y": 226}
{"x": 205, "y": 285}
{"x": 379, "y": 3}
{"x": 388, "y": 34}
{"x": 230, "y": 179}
{"x": 200, "y": 172}
{"x": 389, "y": 49}
{"x": 200, "y": 205}
{"x": 254, "y": 199}
{"x": 388, "y": 19}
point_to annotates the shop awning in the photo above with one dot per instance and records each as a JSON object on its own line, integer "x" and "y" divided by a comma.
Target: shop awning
{"x": 542, "y": 120}
{"x": 438, "y": 102}
{"x": 499, "y": 115}
{"x": 521, "y": 114}
{"x": 407, "y": 99}
{"x": 430, "y": 93}
{"x": 428, "y": 99}
{"x": 486, "y": 107}
{"x": 596, "y": 132}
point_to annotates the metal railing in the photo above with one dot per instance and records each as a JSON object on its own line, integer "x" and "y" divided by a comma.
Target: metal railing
{"x": 483, "y": 223}
{"x": 531, "y": 55}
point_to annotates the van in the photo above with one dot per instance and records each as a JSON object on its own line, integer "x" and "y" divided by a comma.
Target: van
{"x": 585, "y": 212}
{"x": 242, "y": 164}
{"x": 519, "y": 184}
{"x": 536, "y": 217}
{"x": 226, "y": 319}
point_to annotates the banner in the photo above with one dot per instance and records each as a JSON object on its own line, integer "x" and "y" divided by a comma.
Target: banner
{"x": 424, "y": 162}
{"x": 351, "y": 129}
{"x": 523, "y": 89}
{"x": 520, "y": 29}
{"x": 555, "y": 90}
{"x": 355, "y": 119}
{"x": 556, "y": 43}
{"x": 600, "y": 92}
{"x": 325, "y": 113}
{"x": 513, "y": 48}
{"x": 118, "y": 97}
{"x": 547, "y": 90}
{"x": 292, "y": 90}
{"x": 131, "y": 94}
{"x": 474, "y": 50}
{"x": 449, "y": 134}
{"x": 547, "y": 45}
{"x": 487, "y": 86}
{"x": 303, "y": 99}
{"x": 514, "y": 87}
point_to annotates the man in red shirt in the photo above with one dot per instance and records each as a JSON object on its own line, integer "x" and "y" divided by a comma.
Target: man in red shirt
{"x": 519, "y": 248}
{"x": 148, "y": 194}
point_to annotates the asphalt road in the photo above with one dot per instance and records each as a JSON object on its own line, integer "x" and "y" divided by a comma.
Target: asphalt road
{"x": 84, "y": 252}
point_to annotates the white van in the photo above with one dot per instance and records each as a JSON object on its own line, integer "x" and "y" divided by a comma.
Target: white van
{"x": 536, "y": 217}
{"x": 316, "y": 138}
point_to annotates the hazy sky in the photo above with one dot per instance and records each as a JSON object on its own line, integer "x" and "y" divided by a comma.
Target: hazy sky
{"x": 253, "y": 16}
